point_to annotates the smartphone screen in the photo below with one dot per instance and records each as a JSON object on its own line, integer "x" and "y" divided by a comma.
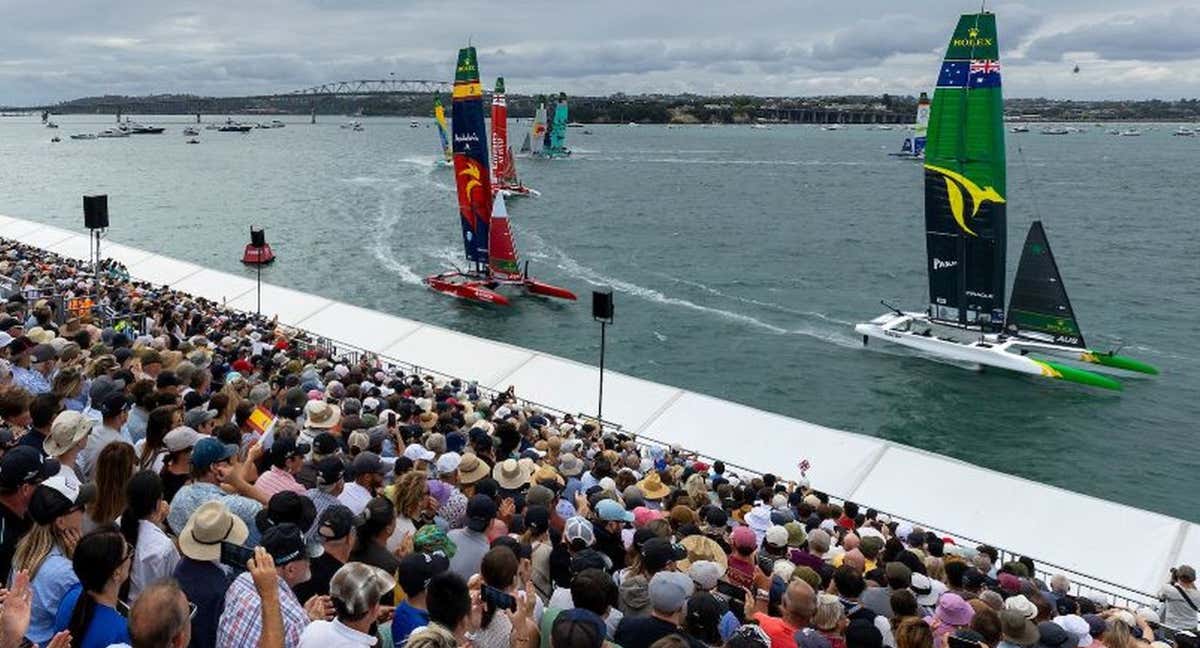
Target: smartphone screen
{"x": 236, "y": 556}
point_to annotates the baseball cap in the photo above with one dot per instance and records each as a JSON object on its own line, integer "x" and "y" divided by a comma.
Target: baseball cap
{"x": 777, "y": 536}
{"x": 356, "y": 587}
{"x": 743, "y": 536}
{"x": 416, "y": 569}
{"x": 284, "y": 449}
{"x": 103, "y": 386}
{"x": 285, "y": 543}
{"x": 66, "y": 430}
{"x": 286, "y": 506}
{"x": 181, "y": 438}
{"x": 42, "y": 353}
{"x": 578, "y": 528}
{"x": 448, "y": 463}
{"x": 669, "y": 590}
{"x": 657, "y": 553}
{"x": 114, "y": 404}
{"x": 705, "y": 574}
{"x": 210, "y": 450}
{"x": 610, "y": 511}
{"x": 480, "y": 511}
{"x": 58, "y": 496}
{"x": 329, "y": 470}
{"x": 198, "y": 416}
{"x": 336, "y": 522}
{"x": 418, "y": 452}
{"x": 325, "y": 444}
{"x": 366, "y": 463}
{"x": 24, "y": 465}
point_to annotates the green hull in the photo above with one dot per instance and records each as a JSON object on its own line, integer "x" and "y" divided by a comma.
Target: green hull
{"x": 1119, "y": 362}
{"x": 1082, "y": 376}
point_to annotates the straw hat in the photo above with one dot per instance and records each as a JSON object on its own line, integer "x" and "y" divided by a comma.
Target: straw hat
{"x": 546, "y": 473}
{"x": 702, "y": 548}
{"x": 321, "y": 415}
{"x": 510, "y": 474}
{"x": 652, "y": 487}
{"x": 428, "y": 420}
{"x": 209, "y": 526}
{"x": 40, "y": 335}
{"x": 471, "y": 469}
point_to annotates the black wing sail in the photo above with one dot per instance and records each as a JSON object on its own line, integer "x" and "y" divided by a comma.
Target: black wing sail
{"x": 1039, "y": 309}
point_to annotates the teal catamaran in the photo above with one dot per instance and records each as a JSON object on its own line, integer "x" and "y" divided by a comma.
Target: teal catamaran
{"x": 966, "y": 239}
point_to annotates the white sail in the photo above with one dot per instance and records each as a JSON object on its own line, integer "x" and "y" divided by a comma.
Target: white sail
{"x": 538, "y": 132}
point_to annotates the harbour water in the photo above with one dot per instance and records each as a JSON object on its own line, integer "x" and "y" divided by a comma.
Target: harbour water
{"x": 740, "y": 259}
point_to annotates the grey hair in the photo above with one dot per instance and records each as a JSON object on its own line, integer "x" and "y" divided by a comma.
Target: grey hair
{"x": 1060, "y": 583}
{"x": 818, "y": 541}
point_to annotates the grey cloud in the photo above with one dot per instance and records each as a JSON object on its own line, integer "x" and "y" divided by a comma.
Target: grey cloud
{"x": 1164, "y": 36}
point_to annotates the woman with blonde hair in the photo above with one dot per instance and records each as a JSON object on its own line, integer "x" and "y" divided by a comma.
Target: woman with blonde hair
{"x": 431, "y": 636}
{"x": 410, "y": 495}
{"x": 935, "y": 568}
{"x": 45, "y": 551}
{"x": 67, "y": 387}
{"x": 114, "y": 467}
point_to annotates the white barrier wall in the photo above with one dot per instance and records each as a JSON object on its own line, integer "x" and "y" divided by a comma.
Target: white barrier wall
{"x": 1045, "y": 522}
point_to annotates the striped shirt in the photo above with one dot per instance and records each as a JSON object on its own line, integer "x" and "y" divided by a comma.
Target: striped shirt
{"x": 241, "y": 622}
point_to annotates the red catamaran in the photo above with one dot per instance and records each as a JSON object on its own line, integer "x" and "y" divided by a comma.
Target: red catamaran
{"x": 504, "y": 164}
{"x": 487, "y": 238}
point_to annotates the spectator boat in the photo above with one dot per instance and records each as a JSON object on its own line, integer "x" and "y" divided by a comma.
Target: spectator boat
{"x": 504, "y": 165}
{"x": 913, "y": 147}
{"x": 83, "y": 136}
{"x": 487, "y": 239}
{"x": 439, "y": 118}
{"x": 966, "y": 239}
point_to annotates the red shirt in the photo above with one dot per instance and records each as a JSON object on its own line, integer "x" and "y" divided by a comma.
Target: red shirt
{"x": 782, "y": 635}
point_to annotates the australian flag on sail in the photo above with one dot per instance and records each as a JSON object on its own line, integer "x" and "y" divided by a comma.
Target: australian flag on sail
{"x": 976, "y": 73}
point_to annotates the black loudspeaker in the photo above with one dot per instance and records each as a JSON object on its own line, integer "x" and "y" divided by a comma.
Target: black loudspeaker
{"x": 602, "y": 305}
{"x": 258, "y": 238}
{"x": 95, "y": 212}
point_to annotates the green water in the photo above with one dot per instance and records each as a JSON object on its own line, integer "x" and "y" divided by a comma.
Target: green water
{"x": 740, "y": 258}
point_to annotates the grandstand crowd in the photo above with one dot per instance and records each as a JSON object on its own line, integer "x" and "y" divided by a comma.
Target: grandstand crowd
{"x": 179, "y": 474}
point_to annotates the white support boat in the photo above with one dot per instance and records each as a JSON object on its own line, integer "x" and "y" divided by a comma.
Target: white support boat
{"x": 966, "y": 234}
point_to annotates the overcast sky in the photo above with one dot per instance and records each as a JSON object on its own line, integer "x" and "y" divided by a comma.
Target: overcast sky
{"x": 1125, "y": 49}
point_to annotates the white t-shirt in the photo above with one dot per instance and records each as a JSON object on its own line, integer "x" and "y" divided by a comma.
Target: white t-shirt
{"x": 332, "y": 634}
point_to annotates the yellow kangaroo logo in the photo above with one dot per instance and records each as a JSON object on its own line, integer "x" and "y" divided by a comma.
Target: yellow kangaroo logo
{"x": 958, "y": 189}
{"x": 472, "y": 173}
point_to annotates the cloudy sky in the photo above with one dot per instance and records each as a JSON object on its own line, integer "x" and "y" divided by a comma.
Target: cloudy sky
{"x": 1125, "y": 48}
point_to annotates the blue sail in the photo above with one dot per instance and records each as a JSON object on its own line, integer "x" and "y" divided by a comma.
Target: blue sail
{"x": 471, "y": 174}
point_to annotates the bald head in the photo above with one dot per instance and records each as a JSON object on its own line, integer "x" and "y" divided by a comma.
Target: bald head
{"x": 850, "y": 542}
{"x": 160, "y": 617}
{"x": 799, "y": 603}
{"x": 855, "y": 559}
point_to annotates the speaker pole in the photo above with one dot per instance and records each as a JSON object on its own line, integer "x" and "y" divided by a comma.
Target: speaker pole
{"x": 258, "y": 266}
{"x": 602, "y": 311}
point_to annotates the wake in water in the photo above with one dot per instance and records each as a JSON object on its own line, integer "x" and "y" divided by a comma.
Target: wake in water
{"x": 579, "y": 271}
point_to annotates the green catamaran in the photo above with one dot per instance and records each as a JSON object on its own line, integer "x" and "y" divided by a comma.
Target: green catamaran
{"x": 966, "y": 235}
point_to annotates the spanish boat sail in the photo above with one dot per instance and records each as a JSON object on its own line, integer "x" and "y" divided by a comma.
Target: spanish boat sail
{"x": 487, "y": 240}
{"x": 439, "y": 116}
{"x": 966, "y": 236}
{"x": 504, "y": 164}
{"x": 913, "y": 147}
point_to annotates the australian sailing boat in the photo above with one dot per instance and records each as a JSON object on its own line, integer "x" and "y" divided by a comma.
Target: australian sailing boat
{"x": 439, "y": 116}
{"x": 913, "y": 147}
{"x": 504, "y": 163}
{"x": 966, "y": 237}
{"x": 486, "y": 236}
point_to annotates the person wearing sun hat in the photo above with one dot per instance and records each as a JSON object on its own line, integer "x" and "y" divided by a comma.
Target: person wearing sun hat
{"x": 199, "y": 571}
{"x": 653, "y": 489}
{"x": 68, "y": 436}
{"x": 510, "y": 474}
{"x": 951, "y": 613}
{"x": 212, "y": 466}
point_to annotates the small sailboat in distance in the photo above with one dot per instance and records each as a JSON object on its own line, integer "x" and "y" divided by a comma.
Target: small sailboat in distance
{"x": 439, "y": 117}
{"x": 487, "y": 239}
{"x": 535, "y": 139}
{"x": 913, "y": 147}
{"x": 966, "y": 240}
{"x": 554, "y": 137}
{"x": 504, "y": 163}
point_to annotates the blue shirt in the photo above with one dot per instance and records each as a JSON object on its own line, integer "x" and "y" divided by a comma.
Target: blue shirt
{"x": 49, "y": 585}
{"x": 31, "y": 380}
{"x": 406, "y": 619}
{"x": 190, "y": 497}
{"x": 107, "y": 626}
{"x": 135, "y": 425}
{"x": 204, "y": 583}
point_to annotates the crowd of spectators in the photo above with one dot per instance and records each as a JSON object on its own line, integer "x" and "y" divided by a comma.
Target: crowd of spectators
{"x": 180, "y": 474}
